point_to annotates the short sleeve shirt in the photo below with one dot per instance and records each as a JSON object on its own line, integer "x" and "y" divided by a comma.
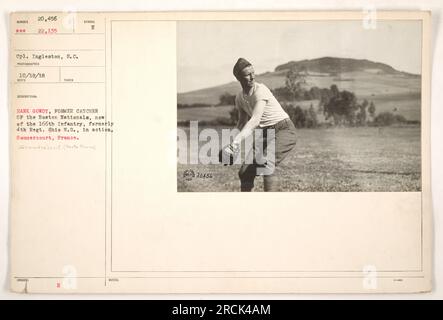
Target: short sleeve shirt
{"x": 273, "y": 111}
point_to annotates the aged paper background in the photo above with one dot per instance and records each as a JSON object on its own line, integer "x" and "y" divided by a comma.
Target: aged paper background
{"x": 190, "y": 243}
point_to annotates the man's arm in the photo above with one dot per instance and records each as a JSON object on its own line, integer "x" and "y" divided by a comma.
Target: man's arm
{"x": 242, "y": 118}
{"x": 233, "y": 148}
{"x": 253, "y": 123}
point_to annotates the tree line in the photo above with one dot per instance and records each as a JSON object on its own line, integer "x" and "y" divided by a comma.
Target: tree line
{"x": 339, "y": 108}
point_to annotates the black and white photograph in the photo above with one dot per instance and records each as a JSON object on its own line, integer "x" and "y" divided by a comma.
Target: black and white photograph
{"x": 299, "y": 106}
{"x": 132, "y": 136}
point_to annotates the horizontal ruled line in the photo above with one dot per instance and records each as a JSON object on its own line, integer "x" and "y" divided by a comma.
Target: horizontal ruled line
{"x": 55, "y": 34}
{"x": 32, "y": 66}
{"x": 68, "y": 82}
{"x": 265, "y": 271}
{"x": 228, "y": 277}
{"x": 59, "y": 49}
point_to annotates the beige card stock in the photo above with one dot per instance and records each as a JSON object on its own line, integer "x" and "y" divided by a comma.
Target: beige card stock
{"x": 99, "y": 202}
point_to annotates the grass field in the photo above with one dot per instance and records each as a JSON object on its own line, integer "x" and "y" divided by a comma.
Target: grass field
{"x": 211, "y": 113}
{"x": 203, "y": 113}
{"x": 334, "y": 159}
{"x": 405, "y": 104}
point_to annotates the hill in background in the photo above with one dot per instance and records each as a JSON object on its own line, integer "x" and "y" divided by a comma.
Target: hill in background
{"x": 390, "y": 89}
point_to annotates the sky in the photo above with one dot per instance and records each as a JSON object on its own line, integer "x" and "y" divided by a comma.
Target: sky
{"x": 208, "y": 50}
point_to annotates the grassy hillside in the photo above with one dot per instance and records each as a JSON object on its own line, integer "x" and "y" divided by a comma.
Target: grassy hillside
{"x": 390, "y": 89}
{"x": 324, "y": 160}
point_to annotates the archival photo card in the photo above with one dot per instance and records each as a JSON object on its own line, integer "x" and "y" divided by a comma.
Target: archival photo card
{"x": 220, "y": 152}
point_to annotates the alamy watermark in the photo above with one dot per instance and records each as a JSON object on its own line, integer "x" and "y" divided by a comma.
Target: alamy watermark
{"x": 70, "y": 277}
{"x": 202, "y": 147}
{"x": 369, "y": 277}
{"x": 369, "y": 17}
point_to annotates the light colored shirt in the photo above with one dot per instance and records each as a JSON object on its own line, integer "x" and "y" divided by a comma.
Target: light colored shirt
{"x": 273, "y": 112}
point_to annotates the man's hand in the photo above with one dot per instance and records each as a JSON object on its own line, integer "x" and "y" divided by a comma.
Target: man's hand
{"x": 228, "y": 154}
